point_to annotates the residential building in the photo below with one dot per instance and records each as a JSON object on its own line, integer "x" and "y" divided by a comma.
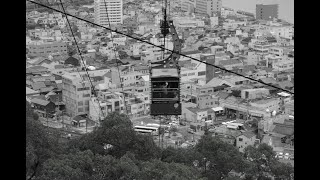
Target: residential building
{"x": 197, "y": 115}
{"x": 289, "y": 108}
{"x": 76, "y": 93}
{"x": 105, "y": 103}
{"x": 207, "y": 101}
{"x": 283, "y": 65}
{"x": 188, "y": 5}
{"x": 193, "y": 70}
{"x": 261, "y": 46}
{"x": 214, "y": 21}
{"x": 266, "y": 12}
{"x": 230, "y": 64}
{"x": 214, "y": 7}
{"x": 108, "y": 10}
{"x": 44, "y": 108}
{"x": 128, "y": 77}
{"x": 31, "y": 92}
{"x": 267, "y": 104}
{"x": 246, "y": 139}
{"x": 201, "y": 6}
{"x": 210, "y": 7}
{"x": 44, "y": 49}
{"x": 254, "y": 93}
{"x": 278, "y": 51}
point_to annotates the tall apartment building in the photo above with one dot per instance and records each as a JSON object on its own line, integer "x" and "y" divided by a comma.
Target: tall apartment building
{"x": 44, "y": 49}
{"x": 267, "y": 12}
{"x": 214, "y": 7}
{"x": 188, "y": 5}
{"x": 209, "y": 7}
{"x": 76, "y": 93}
{"x": 201, "y": 6}
{"x": 114, "y": 9}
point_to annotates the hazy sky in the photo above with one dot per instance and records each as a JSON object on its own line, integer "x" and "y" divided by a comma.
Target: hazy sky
{"x": 286, "y": 10}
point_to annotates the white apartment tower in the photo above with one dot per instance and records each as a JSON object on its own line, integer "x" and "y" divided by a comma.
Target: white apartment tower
{"x": 114, "y": 9}
{"x": 209, "y": 7}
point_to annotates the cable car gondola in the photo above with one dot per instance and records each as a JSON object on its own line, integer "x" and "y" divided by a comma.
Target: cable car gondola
{"x": 165, "y": 78}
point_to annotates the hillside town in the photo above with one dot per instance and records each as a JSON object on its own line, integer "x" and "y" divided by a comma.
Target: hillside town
{"x": 75, "y": 89}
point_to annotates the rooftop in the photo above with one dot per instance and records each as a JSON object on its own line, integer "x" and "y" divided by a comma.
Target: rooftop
{"x": 30, "y": 91}
{"x": 40, "y": 101}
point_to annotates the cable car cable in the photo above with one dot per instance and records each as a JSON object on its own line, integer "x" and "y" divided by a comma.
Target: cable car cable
{"x": 92, "y": 87}
{"x": 115, "y": 55}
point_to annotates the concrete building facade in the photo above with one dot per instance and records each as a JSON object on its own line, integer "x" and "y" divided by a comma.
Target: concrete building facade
{"x": 44, "y": 49}
{"x": 266, "y": 12}
{"x": 115, "y": 12}
{"x": 209, "y": 7}
{"x": 76, "y": 94}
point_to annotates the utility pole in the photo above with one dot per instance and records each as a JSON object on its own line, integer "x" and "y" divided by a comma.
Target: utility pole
{"x": 47, "y": 119}
{"x": 86, "y": 124}
{"x": 159, "y": 129}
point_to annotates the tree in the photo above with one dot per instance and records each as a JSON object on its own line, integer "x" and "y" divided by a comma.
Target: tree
{"x": 263, "y": 162}
{"x": 122, "y": 54}
{"x": 116, "y": 137}
{"x": 173, "y": 130}
{"x": 71, "y": 166}
{"x": 281, "y": 170}
{"x": 40, "y": 146}
{"x": 221, "y": 157}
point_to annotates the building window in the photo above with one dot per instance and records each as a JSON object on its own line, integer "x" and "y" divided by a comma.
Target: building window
{"x": 86, "y": 95}
{"x": 83, "y": 89}
{"x": 87, "y": 102}
{"x": 80, "y": 103}
{"x": 240, "y": 139}
{"x": 201, "y": 73}
{"x": 87, "y": 109}
{"x": 80, "y": 109}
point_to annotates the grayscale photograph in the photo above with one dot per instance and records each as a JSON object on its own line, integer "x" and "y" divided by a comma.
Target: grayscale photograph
{"x": 159, "y": 89}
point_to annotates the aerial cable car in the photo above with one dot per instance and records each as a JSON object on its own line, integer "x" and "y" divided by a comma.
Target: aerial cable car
{"x": 165, "y": 77}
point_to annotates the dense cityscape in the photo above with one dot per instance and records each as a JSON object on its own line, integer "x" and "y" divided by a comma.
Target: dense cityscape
{"x": 91, "y": 97}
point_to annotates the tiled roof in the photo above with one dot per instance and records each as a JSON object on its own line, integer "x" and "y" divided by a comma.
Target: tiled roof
{"x": 73, "y": 61}
{"x": 190, "y": 52}
{"x": 230, "y": 62}
{"x": 248, "y": 134}
{"x": 30, "y": 91}
{"x": 269, "y": 80}
{"x": 97, "y": 78}
{"x": 40, "y": 101}
{"x": 223, "y": 95}
{"x": 283, "y": 129}
{"x": 286, "y": 84}
{"x": 46, "y": 89}
{"x": 38, "y": 85}
{"x": 55, "y": 98}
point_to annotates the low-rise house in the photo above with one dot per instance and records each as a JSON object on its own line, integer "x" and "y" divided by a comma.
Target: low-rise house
{"x": 42, "y": 107}
{"x": 38, "y": 85}
{"x": 246, "y": 139}
{"x": 31, "y": 92}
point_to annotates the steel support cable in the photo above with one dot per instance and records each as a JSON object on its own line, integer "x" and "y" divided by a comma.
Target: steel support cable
{"x": 82, "y": 80}
{"x": 93, "y": 89}
{"x": 259, "y": 81}
{"x": 115, "y": 55}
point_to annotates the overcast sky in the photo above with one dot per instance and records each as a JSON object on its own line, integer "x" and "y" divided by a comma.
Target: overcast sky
{"x": 286, "y": 10}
